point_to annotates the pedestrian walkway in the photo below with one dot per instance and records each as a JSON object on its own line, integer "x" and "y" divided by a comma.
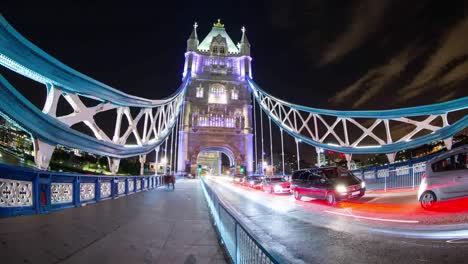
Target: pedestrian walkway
{"x": 156, "y": 226}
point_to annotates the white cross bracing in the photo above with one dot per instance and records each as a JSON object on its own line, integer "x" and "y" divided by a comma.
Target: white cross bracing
{"x": 348, "y": 132}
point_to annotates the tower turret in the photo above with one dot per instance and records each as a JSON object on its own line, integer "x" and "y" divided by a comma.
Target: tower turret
{"x": 244, "y": 44}
{"x": 192, "y": 42}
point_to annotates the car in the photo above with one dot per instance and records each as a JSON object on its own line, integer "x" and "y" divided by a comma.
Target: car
{"x": 332, "y": 184}
{"x": 446, "y": 178}
{"x": 238, "y": 178}
{"x": 253, "y": 181}
{"x": 275, "y": 185}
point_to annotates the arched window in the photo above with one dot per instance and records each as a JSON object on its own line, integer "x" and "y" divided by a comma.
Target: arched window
{"x": 234, "y": 94}
{"x": 199, "y": 92}
{"x": 217, "y": 94}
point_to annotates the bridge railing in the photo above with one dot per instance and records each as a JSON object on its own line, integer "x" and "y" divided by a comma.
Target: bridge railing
{"x": 241, "y": 246}
{"x": 405, "y": 174}
{"x": 28, "y": 191}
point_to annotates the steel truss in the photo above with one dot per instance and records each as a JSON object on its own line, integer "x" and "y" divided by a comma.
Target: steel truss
{"x": 359, "y": 132}
{"x": 149, "y": 121}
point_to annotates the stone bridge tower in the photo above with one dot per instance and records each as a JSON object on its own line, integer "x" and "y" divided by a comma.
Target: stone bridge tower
{"x": 217, "y": 112}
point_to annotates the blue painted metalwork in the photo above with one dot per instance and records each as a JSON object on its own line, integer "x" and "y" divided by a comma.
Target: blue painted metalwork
{"x": 17, "y": 108}
{"x": 241, "y": 245}
{"x": 42, "y": 182}
{"x": 433, "y": 109}
{"x": 22, "y": 56}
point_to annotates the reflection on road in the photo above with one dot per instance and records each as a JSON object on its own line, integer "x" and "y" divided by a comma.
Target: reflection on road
{"x": 382, "y": 224}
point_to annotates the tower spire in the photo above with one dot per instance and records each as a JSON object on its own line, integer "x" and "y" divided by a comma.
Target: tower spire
{"x": 244, "y": 44}
{"x": 192, "y": 42}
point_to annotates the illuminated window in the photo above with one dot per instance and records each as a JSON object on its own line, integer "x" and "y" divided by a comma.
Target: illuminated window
{"x": 217, "y": 94}
{"x": 216, "y": 120}
{"x": 234, "y": 94}
{"x": 199, "y": 92}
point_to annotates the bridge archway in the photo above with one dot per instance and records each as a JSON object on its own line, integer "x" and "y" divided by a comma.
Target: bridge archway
{"x": 211, "y": 159}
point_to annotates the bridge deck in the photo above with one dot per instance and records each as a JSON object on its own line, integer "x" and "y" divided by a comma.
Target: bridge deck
{"x": 156, "y": 226}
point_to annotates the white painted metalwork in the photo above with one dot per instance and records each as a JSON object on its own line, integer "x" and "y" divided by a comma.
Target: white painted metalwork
{"x": 15, "y": 193}
{"x": 255, "y": 133}
{"x": 271, "y": 143}
{"x": 131, "y": 185}
{"x": 138, "y": 185}
{"x": 121, "y": 187}
{"x": 353, "y": 132}
{"x": 105, "y": 190}
{"x": 87, "y": 191}
{"x": 261, "y": 134}
{"x": 61, "y": 193}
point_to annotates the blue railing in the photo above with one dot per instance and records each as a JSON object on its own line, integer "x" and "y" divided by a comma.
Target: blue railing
{"x": 406, "y": 174}
{"x": 29, "y": 191}
{"x": 240, "y": 244}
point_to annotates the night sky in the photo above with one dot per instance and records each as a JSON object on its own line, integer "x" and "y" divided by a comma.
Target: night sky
{"x": 331, "y": 54}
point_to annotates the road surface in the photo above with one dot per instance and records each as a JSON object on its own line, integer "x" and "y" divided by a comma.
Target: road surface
{"x": 311, "y": 232}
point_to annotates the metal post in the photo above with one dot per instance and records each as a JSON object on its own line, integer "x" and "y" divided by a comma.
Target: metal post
{"x": 271, "y": 146}
{"x": 282, "y": 148}
{"x": 255, "y": 132}
{"x": 261, "y": 132}
{"x": 172, "y": 145}
{"x": 176, "y": 145}
{"x": 156, "y": 161}
{"x": 298, "y": 158}
{"x": 165, "y": 156}
{"x": 385, "y": 181}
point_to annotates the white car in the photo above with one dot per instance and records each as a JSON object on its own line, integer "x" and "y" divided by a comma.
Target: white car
{"x": 446, "y": 177}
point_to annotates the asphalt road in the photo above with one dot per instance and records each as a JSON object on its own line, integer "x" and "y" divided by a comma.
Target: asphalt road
{"x": 304, "y": 232}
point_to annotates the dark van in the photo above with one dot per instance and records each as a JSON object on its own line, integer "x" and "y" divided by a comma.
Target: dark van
{"x": 331, "y": 184}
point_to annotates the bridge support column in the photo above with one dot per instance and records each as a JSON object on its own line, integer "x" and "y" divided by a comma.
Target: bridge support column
{"x": 448, "y": 143}
{"x": 142, "y": 164}
{"x": 42, "y": 154}
{"x": 113, "y": 165}
{"x": 319, "y": 160}
{"x": 391, "y": 157}
{"x": 348, "y": 160}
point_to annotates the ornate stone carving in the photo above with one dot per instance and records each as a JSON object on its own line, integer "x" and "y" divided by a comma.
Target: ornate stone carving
{"x": 61, "y": 193}
{"x": 15, "y": 193}
{"x": 105, "y": 189}
{"x": 87, "y": 191}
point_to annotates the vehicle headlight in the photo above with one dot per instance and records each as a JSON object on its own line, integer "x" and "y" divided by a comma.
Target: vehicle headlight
{"x": 341, "y": 188}
{"x": 277, "y": 188}
{"x": 363, "y": 184}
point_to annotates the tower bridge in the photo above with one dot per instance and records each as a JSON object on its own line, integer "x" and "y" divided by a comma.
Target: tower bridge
{"x": 217, "y": 110}
{"x": 214, "y": 107}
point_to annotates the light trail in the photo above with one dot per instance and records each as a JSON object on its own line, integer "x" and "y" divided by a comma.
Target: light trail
{"x": 375, "y": 218}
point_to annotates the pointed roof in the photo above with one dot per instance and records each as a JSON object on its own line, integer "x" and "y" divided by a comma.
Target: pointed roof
{"x": 194, "y": 32}
{"x": 244, "y": 39}
{"x": 218, "y": 29}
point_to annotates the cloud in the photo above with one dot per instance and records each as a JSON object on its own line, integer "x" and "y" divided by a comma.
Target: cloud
{"x": 453, "y": 47}
{"x": 365, "y": 20}
{"x": 377, "y": 79}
